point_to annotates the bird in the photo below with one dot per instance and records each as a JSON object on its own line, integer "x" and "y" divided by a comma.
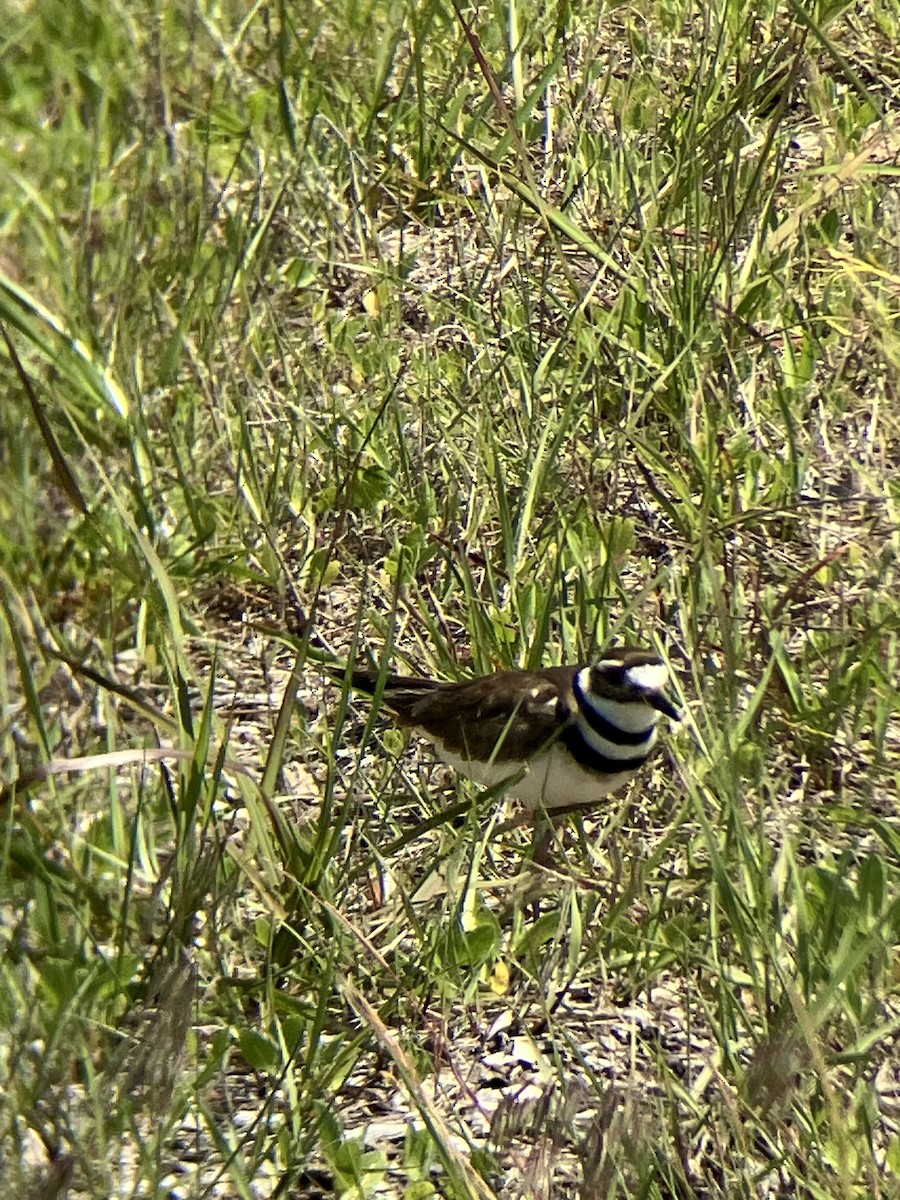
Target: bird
{"x": 555, "y": 738}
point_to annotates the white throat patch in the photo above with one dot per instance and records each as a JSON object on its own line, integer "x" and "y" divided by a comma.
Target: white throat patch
{"x": 631, "y": 716}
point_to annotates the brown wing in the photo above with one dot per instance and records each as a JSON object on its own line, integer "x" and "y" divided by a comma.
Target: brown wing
{"x": 506, "y": 717}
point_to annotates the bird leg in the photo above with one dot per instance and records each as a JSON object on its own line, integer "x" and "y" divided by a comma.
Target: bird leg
{"x": 543, "y": 834}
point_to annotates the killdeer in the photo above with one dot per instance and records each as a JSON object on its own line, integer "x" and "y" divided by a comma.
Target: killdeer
{"x": 562, "y": 737}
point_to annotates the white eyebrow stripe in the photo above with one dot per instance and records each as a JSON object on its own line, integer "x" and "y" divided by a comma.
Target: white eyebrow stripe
{"x": 651, "y": 677}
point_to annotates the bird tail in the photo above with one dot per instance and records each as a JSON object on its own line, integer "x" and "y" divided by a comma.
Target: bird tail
{"x": 401, "y": 692}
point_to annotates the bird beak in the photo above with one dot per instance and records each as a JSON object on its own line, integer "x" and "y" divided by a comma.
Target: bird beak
{"x": 658, "y": 701}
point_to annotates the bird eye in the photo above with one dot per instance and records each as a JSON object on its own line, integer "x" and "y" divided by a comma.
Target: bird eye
{"x": 609, "y": 673}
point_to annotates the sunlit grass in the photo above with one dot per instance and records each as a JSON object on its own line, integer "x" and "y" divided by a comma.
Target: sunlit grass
{"x": 450, "y": 342}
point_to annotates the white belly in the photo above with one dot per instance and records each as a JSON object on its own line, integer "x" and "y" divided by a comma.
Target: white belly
{"x": 551, "y": 780}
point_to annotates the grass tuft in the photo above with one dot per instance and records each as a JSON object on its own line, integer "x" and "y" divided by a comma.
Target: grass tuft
{"x": 446, "y": 342}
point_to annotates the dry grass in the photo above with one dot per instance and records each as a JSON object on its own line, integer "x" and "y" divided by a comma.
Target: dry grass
{"x": 340, "y": 336}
